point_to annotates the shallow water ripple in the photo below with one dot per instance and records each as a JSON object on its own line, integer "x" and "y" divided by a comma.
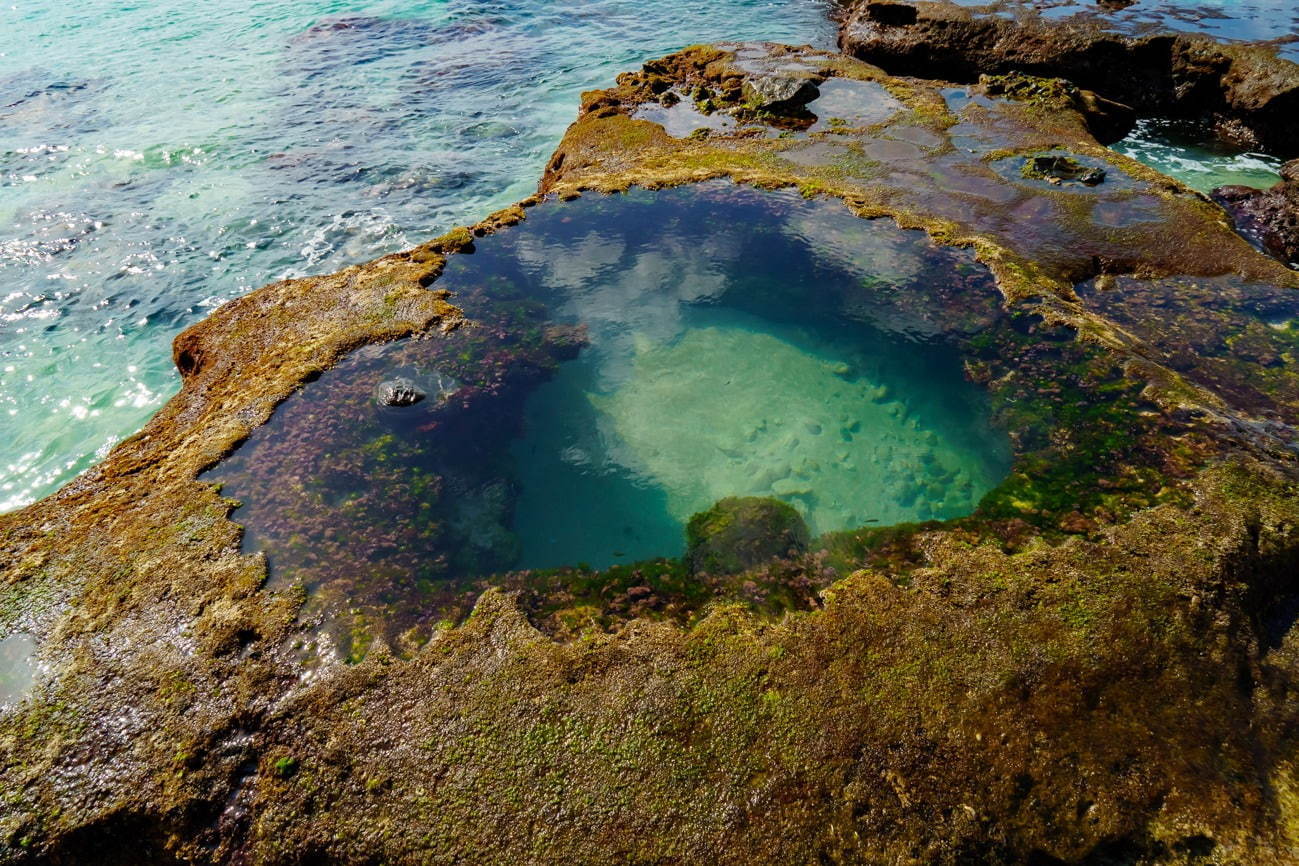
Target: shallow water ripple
{"x": 160, "y": 161}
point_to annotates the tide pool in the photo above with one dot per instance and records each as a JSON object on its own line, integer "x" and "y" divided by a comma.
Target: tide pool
{"x": 1196, "y": 158}
{"x": 628, "y": 361}
{"x": 621, "y": 451}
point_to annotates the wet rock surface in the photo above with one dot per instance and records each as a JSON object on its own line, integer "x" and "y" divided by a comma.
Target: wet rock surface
{"x": 1270, "y": 216}
{"x": 1250, "y": 93}
{"x": 1098, "y": 664}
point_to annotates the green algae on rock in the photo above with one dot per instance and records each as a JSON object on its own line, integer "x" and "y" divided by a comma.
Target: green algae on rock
{"x": 741, "y": 532}
{"x": 1098, "y": 663}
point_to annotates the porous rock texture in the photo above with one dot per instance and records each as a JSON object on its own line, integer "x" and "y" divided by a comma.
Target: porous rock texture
{"x": 1248, "y": 92}
{"x": 1097, "y": 666}
{"x": 1271, "y": 216}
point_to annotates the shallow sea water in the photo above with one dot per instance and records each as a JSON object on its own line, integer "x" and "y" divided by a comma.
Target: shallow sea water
{"x": 159, "y": 159}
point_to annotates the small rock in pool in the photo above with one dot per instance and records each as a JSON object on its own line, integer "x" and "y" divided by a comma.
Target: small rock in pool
{"x": 398, "y": 391}
{"x": 1057, "y": 169}
{"x": 776, "y": 91}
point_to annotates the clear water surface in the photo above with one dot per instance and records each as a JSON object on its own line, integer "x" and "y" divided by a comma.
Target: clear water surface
{"x": 631, "y": 360}
{"x": 161, "y": 158}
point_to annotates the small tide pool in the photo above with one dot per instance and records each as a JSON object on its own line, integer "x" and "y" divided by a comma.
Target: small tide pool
{"x": 17, "y": 668}
{"x": 1196, "y": 157}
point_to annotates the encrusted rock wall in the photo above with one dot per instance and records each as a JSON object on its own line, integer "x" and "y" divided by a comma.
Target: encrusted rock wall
{"x": 1250, "y": 94}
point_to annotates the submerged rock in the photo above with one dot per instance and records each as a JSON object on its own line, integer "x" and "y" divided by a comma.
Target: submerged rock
{"x": 742, "y": 532}
{"x": 398, "y": 392}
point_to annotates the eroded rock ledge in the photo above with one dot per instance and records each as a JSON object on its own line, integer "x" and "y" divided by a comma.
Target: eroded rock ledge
{"x": 1098, "y": 664}
{"x": 1270, "y": 216}
{"x": 1249, "y": 94}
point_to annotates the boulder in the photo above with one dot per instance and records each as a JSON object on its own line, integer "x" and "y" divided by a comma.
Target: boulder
{"x": 778, "y": 92}
{"x": 1269, "y": 217}
{"x": 742, "y": 532}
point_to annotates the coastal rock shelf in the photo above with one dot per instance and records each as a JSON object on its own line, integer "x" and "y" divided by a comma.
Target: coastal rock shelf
{"x": 1271, "y": 22}
{"x": 987, "y": 554}
{"x": 1248, "y": 89}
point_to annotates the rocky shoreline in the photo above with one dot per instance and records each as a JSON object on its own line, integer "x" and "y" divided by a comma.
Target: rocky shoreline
{"x": 1270, "y": 216}
{"x": 1243, "y": 90}
{"x": 1097, "y": 665}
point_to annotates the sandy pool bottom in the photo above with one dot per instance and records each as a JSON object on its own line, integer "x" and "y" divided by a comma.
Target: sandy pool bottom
{"x": 629, "y": 441}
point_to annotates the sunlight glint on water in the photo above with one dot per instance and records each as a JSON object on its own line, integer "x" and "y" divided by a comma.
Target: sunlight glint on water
{"x": 160, "y": 159}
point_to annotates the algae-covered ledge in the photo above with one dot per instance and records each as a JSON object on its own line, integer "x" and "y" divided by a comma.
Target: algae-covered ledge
{"x": 1097, "y": 663}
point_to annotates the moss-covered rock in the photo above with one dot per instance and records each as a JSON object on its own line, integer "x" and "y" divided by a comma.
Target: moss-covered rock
{"x": 739, "y": 533}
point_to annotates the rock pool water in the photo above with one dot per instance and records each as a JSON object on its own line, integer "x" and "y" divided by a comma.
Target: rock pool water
{"x": 1196, "y": 157}
{"x": 159, "y": 160}
{"x": 631, "y": 360}
{"x": 17, "y": 670}
{"x": 619, "y": 451}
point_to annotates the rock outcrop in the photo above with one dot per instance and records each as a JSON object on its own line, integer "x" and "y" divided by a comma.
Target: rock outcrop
{"x": 1098, "y": 665}
{"x": 1249, "y": 94}
{"x": 1270, "y": 216}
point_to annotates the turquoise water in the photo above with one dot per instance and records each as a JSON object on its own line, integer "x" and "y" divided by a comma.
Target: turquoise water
{"x": 626, "y": 443}
{"x": 1196, "y": 158}
{"x": 631, "y": 360}
{"x": 159, "y": 159}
